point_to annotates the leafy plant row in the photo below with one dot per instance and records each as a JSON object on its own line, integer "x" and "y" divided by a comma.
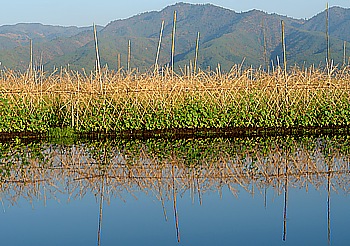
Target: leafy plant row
{"x": 114, "y": 103}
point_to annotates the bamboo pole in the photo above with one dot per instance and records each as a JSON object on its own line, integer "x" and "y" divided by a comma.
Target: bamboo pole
{"x": 284, "y": 49}
{"x": 284, "y": 64}
{"x": 196, "y": 54}
{"x": 173, "y": 44}
{"x": 159, "y": 45}
{"x": 98, "y": 65}
{"x": 328, "y": 58}
{"x": 264, "y": 44}
{"x": 129, "y": 56}
{"x": 31, "y": 57}
{"x": 344, "y": 58}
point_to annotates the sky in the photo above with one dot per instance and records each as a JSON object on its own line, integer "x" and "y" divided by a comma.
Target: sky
{"x": 86, "y": 12}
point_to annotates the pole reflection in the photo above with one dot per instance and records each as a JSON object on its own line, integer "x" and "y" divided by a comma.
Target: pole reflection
{"x": 108, "y": 170}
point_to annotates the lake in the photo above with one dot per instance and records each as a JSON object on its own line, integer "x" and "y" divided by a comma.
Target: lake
{"x": 273, "y": 190}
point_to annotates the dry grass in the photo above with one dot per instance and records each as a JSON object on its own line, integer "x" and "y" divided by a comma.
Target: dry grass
{"x": 114, "y": 101}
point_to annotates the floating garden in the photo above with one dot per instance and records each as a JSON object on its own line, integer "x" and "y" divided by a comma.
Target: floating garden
{"x": 116, "y": 102}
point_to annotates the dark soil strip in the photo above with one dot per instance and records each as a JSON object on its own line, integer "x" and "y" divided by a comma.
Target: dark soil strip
{"x": 193, "y": 133}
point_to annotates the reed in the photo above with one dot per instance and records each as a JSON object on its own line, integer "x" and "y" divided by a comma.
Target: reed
{"x": 115, "y": 101}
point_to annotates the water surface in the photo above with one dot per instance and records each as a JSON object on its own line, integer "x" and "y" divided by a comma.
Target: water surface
{"x": 267, "y": 191}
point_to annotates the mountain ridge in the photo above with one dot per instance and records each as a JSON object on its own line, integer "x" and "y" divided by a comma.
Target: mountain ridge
{"x": 227, "y": 37}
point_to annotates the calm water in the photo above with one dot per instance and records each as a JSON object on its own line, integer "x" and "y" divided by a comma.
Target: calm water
{"x": 299, "y": 206}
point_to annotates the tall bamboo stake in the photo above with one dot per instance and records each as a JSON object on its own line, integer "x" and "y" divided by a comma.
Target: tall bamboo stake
{"x": 173, "y": 43}
{"x": 327, "y": 37}
{"x": 159, "y": 45}
{"x": 344, "y": 58}
{"x": 265, "y": 44}
{"x": 196, "y": 54}
{"x": 284, "y": 49}
{"x": 31, "y": 56}
{"x": 98, "y": 65}
{"x": 129, "y": 56}
{"x": 284, "y": 64}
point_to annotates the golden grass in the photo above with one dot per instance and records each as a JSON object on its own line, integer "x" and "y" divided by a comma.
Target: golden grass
{"x": 115, "y": 101}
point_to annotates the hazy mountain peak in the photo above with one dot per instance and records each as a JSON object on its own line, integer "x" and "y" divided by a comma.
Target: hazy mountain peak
{"x": 226, "y": 37}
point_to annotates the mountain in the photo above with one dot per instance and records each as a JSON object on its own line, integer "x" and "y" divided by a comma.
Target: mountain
{"x": 226, "y": 37}
{"x": 49, "y": 42}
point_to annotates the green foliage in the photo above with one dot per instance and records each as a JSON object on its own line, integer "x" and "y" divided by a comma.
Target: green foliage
{"x": 193, "y": 111}
{"x": 21, "y": 115}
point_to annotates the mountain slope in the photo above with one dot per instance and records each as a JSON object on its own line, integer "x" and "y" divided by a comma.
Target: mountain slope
{"x": 226, "y": 37}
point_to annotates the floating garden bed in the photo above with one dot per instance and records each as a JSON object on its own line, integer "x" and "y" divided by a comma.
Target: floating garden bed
{"x": 114, "y": 102}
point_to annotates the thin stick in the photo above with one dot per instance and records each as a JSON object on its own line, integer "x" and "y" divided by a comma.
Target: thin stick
{"x": 199, "y": 192}
{"x": 129, "y": 56}
{"x": 284, "y": 49}
{"x": 72, "y": 109}
{"x": 31, "y": 56}
{"x": 196, "y": 55}
{"x": 327, "y": 36}
{"x": 175, "y": 207}
{"x": 173, "y": 43}
{"x": 162, "y": 200}
{"x": 100, "y": 214}
{"x": 41, "y": 73}
{"x": 285, "y": 205}
{"x": 329, "y": 206}
{"x": 98, "y": 65}
{"x": 265, "y": 44}
{"x": 284, "y": 64}
{"x": 344, "y": 59}
{"x": 159, "y": 45}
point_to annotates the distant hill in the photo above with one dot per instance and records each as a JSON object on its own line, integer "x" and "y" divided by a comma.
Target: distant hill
{"x": 49, "y": 42}
{"x": 226, "y": 37}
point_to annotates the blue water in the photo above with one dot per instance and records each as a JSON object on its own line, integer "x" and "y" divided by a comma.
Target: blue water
{"x": 226, "y": 220}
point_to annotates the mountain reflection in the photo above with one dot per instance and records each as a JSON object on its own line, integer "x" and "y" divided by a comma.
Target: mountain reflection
{"x": 165, "y": 168}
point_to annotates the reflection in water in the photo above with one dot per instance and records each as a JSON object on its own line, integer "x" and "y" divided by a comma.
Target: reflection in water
{"x": 329, "y": 207}
{"x": 285, "y": 204}
{"x": 100, "y": 213}
{"x": 175, "y": 208}
{"x": 35, "y": 171}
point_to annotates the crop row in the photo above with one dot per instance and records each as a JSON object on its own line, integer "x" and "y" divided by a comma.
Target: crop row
{"x": 113, "y": 102}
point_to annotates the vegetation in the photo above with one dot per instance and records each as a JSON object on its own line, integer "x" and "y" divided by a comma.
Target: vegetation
{"x": 115, "y": 102}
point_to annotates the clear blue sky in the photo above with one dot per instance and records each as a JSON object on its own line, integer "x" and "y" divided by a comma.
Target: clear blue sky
{"x": 85, "y": 12}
